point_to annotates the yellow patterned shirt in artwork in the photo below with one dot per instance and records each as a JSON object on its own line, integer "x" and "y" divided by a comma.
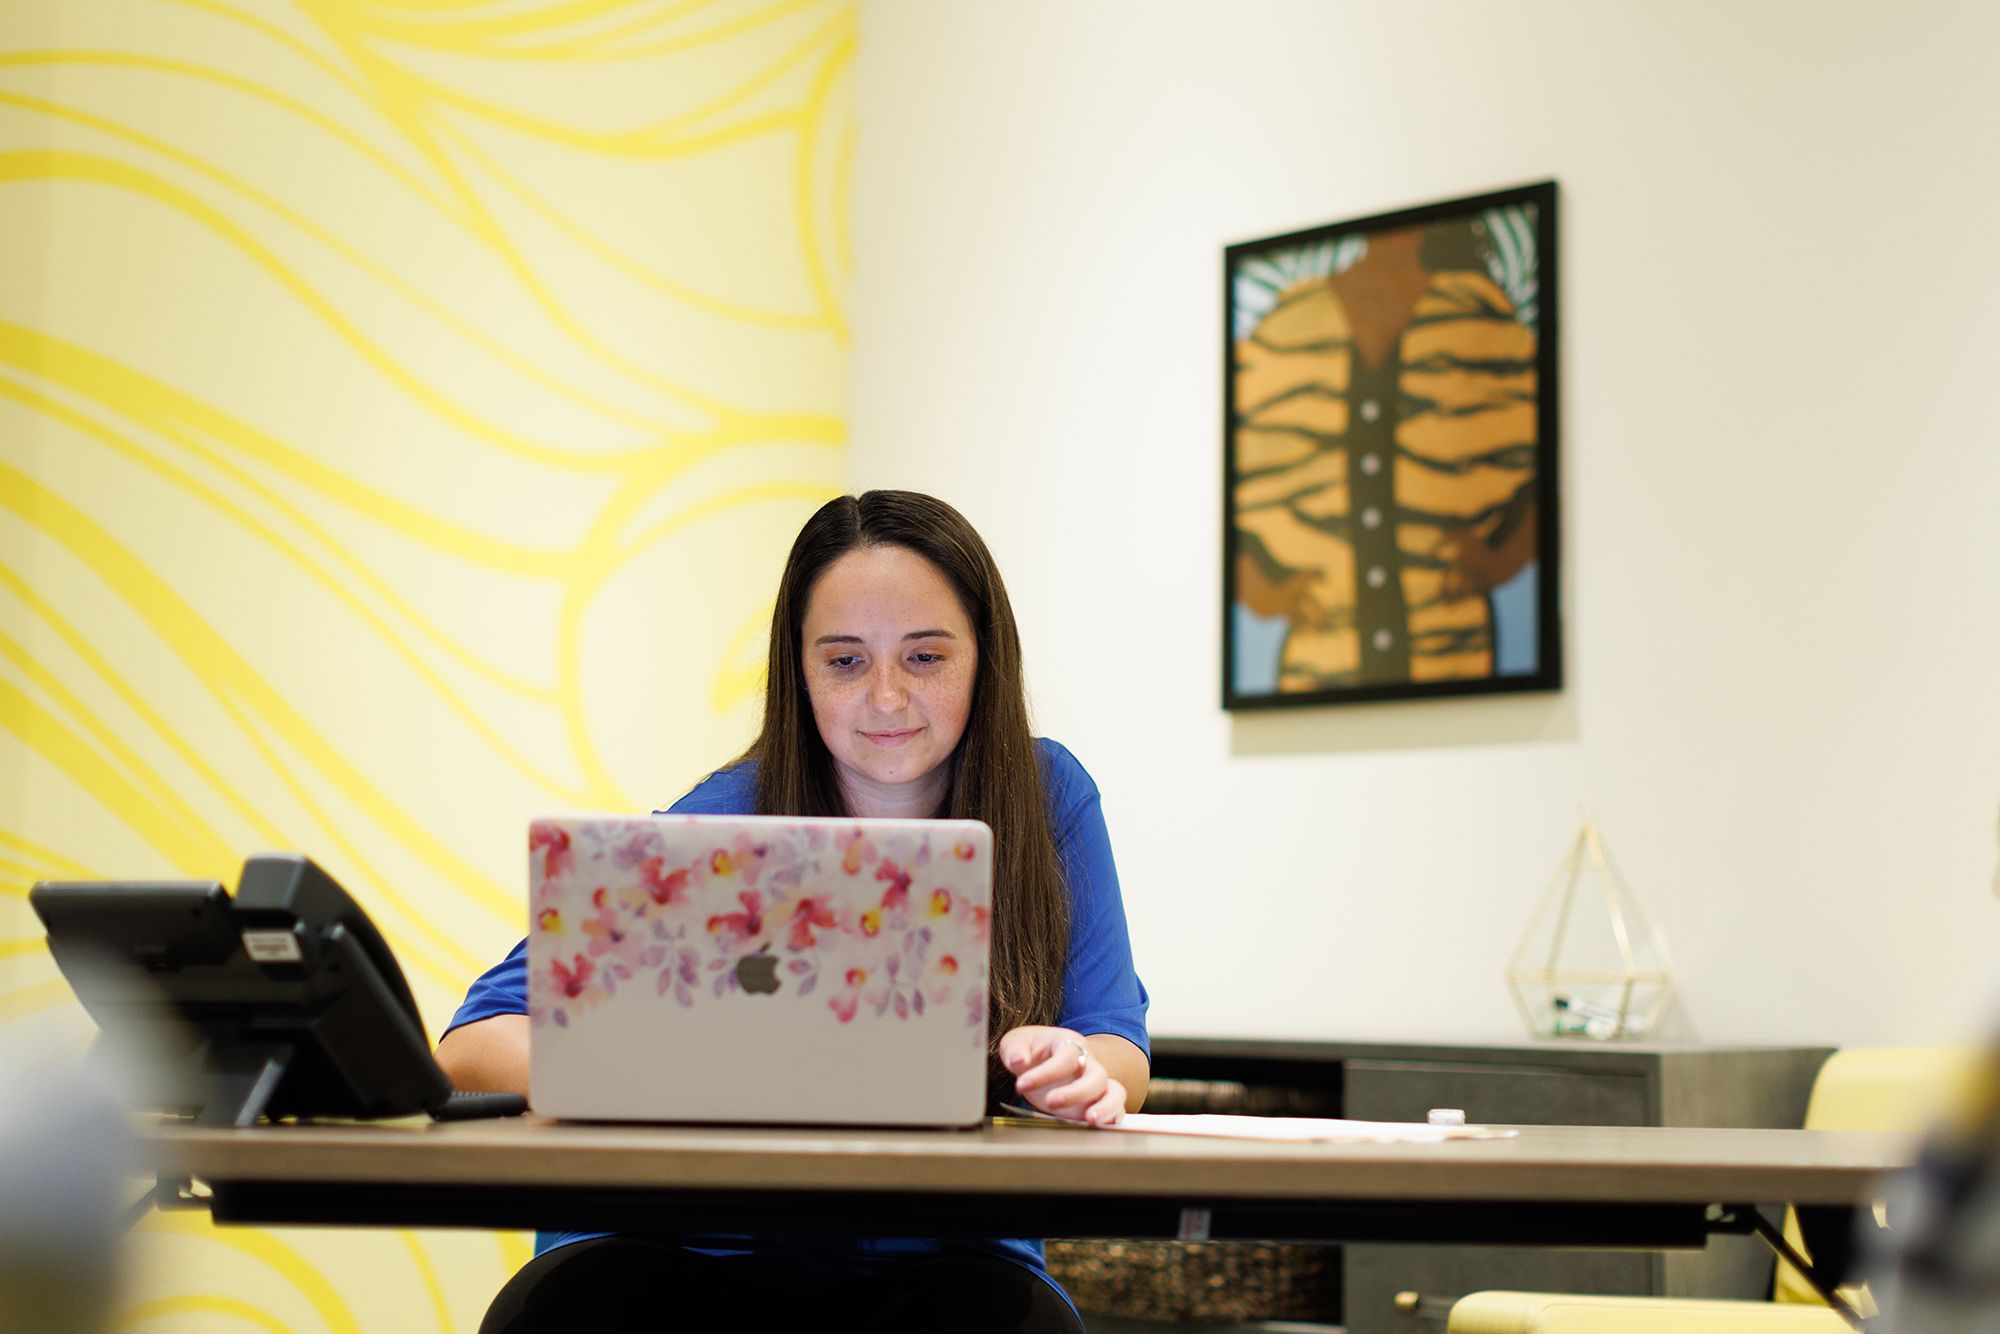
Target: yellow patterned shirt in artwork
{"x": 1379, "y": 500}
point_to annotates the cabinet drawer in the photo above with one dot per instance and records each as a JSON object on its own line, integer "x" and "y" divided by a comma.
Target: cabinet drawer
{"x": 1522, "y": 1095}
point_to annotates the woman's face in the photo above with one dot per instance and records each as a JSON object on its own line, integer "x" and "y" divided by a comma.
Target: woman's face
{"x": 890, "y": 663}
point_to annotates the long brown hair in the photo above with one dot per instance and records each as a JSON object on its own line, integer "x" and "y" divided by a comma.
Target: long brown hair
{"x": 995, "y": 771}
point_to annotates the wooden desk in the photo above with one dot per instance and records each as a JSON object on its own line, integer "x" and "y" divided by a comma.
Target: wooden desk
{"x": 1551, "y": 1185}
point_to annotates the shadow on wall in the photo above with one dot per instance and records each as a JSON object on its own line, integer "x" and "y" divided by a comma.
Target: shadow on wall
{"x": 1405, "y": 725}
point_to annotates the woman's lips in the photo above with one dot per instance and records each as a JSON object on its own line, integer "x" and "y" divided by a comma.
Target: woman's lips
{"x": 896, "y": 738}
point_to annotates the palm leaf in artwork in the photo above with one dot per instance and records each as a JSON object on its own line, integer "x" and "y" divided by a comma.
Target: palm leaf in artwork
{"x": 1257, "y": 282}
{"x": 1507, "y": 243}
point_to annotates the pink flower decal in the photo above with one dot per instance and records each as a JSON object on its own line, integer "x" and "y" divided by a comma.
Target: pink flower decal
{"x": 856, "y": 849}
{"x": 570, "y": 982}
{"x": 812, "y": 911}
{"x": 748, "y": 857}
{"x": 574, "y": 983}
{"x": 609, "y": 935}
{"x": 553, "y": 843}
{"x": 737, "y": 927}
{"x": 847, "y": 1001}
{"x": 648, "y": 901}
{"x": 897, "y": 895}
{"x": 939, "y": 981}
{"x": 663, "y": 889}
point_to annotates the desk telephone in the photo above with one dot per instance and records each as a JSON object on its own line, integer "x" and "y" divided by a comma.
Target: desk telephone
{"x": 284, "y": 1001}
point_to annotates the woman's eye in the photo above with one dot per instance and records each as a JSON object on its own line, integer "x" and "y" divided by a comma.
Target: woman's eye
{"x": 926, "y": 659}
{"x": 843, "y": 662}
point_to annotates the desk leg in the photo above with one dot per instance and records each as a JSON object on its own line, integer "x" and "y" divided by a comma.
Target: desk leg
{"x": 1825, "y": 1279}
{"x": 165, "y": 1193}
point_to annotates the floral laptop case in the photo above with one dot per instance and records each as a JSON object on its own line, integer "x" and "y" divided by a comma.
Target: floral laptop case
{"x": 760, "y": 969}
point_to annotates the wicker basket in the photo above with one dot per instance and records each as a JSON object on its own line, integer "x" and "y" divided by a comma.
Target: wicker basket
{"x": 1221, "y": 1281}
{"x": 1211, "y": 1281}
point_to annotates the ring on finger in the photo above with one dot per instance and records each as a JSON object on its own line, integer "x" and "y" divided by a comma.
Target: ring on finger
{"x": 1082, "y": 1052}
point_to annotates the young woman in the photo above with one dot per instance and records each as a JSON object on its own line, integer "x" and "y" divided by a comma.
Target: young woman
{"x": 895, "y": 690}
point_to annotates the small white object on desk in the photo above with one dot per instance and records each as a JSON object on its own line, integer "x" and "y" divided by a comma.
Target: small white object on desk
{"x": 1446, "y": 1116}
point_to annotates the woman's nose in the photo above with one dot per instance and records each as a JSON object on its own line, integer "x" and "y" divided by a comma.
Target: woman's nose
{"x": 886, "y": 688}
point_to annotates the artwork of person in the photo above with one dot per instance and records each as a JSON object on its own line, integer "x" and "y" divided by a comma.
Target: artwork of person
{"x": 1385, "y": 444}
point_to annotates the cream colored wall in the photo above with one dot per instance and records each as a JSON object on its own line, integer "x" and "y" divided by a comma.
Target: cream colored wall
{"x": 1778, "y": 476}
{"x": 404, "y": 411}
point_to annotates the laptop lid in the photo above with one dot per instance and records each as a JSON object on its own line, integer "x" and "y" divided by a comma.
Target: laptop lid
{"x": 759, "y": 969}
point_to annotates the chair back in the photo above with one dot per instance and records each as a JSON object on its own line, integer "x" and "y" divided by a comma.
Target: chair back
{"x": 1873, "y": 1088}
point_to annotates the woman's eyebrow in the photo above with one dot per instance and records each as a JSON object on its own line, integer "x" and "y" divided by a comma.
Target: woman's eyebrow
{"x": 856, "y": 639}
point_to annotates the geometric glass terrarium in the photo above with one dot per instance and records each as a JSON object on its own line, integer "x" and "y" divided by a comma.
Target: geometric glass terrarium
{"x": 1589, "y": 966}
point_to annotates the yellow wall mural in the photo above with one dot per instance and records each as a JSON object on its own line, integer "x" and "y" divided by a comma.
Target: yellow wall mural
{"x": 405, "y": 406}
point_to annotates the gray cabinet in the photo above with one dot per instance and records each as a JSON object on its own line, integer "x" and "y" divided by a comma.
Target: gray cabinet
{"x": 1568, "y": 1082}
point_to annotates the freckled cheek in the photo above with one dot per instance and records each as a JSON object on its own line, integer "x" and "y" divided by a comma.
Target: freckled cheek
{"x": 953, "y": 703}
{"x": 828, "y": 705}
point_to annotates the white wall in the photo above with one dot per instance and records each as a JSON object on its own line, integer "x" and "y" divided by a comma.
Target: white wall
{"x": 1778, "y": 472}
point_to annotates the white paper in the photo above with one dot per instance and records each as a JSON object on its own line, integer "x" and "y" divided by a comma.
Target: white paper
{"x": 1302, "y": 1129}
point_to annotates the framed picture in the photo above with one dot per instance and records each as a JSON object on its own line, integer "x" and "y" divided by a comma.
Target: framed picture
{"x": 1389, "y": 483}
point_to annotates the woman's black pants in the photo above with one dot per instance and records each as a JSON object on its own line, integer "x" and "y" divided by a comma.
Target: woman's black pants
{"x": 633, "y": 1284}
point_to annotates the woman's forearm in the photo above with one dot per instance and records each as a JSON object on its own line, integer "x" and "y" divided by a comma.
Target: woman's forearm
{"x": 488, "y": 1055}
{"x": 1124, "y": 1062}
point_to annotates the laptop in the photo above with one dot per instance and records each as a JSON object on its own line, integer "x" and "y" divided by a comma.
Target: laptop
{"x": 759, "y": 969}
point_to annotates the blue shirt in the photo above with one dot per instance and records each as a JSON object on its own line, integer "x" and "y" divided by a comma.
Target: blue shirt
{"x": 1101, "y": 994}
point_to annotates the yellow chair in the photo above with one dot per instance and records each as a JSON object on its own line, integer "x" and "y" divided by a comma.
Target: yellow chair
{"x": 1864, "y": 1088}
{"x": 1572, "y": 1313}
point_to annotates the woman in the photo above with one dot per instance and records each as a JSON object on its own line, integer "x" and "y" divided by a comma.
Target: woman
{"x": 895, "y": 690}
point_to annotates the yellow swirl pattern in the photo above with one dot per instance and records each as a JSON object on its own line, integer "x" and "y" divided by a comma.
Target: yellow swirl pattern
{"x": 405, "y": 406}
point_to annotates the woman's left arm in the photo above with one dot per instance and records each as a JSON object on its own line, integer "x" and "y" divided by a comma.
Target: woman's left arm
{"x": 1104, "y": 1003}
{"x": 1124, "y": 1062}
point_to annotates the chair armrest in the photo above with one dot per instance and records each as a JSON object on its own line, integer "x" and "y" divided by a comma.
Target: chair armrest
{"x": 1574, "y": 1313}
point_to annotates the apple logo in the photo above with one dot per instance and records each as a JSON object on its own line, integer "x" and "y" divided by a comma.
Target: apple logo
{"x": 758, "y": 973}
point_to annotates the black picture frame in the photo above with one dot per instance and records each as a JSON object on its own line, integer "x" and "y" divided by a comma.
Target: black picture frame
{"x": 1390, "y": 441}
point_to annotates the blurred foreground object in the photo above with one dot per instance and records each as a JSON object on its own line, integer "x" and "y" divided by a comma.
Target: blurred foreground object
{"x": 62, "y": 1155}
{"x": 1936, "y": 1270}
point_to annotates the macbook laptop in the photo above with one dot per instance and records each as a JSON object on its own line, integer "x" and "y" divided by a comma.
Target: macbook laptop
{"x": 759, "y": 969}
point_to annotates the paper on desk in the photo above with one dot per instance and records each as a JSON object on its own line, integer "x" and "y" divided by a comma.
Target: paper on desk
{"x": 1296, "y": 1129}
{"x": 1281, "y": 1129}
